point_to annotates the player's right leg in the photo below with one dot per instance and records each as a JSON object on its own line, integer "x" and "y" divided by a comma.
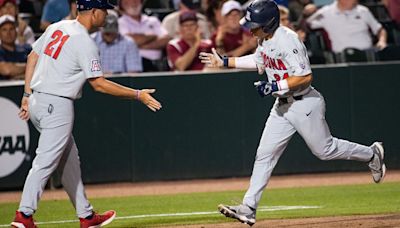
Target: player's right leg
{"x": 72, "y": 182}
{"x": 50, "y": 116}
{"x": 312, "y": 126}
{"x": 376, "y": 165}
{"x": 276, "y": 135}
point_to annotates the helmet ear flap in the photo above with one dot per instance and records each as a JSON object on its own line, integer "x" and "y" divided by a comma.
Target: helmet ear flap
{"x": 271, "y": 26}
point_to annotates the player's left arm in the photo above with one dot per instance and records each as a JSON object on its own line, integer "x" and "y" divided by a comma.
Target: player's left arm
{"x": 215, "y": 60}
{"x": 298, "y": 82}
{"x": 30, "y": 67}
{"x": 298, "y": 64}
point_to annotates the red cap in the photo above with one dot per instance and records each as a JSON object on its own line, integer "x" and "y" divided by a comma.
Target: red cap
{"x": 3, "y": 2}
{"x": 187, "y": 16}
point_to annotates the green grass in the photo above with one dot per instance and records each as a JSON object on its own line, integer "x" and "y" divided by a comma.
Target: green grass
{"x": 333, "y": 200}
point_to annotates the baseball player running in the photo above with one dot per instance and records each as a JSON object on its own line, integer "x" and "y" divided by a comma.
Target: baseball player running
{"x": 298, "y": 106}
{"x": 63, "y": 58}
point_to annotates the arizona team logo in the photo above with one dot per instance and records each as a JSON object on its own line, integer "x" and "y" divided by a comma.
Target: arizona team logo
{"x": 95, "y": 65}
{"x": 14, "y": 138}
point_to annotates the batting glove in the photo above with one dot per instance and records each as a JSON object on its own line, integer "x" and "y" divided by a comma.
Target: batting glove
{"x": 265, "y": 88}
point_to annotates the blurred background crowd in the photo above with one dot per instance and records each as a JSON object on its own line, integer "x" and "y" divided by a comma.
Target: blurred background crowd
{"x": 161, "y": 35}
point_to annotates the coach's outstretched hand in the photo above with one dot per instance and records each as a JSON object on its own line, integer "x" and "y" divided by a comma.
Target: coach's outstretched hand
{"x": 213, "y": 59}
{"x": 145, "y": 97}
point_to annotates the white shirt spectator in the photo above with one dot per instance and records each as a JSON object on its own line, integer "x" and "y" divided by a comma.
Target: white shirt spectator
{"x": 346, "y": 29}
{"x": 171, "y": 24}
{"x": 148, "y": 25}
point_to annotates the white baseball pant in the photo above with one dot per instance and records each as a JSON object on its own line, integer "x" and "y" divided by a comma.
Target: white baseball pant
{"x": 307, "y": 117}
{"x": 53, "y": 117}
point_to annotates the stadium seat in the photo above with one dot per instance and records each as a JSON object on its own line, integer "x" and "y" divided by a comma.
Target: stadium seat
{"x": 379, "y": 11}
{"x": 318, "y": 47}
{"x": 355, "y": 55}
{"x": 389, "y": 53}
{"x": 393, "y": 32}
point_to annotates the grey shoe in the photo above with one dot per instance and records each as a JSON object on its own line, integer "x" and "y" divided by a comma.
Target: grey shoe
{"x": 376, "y": 165}
{"x": 241, "y": 212}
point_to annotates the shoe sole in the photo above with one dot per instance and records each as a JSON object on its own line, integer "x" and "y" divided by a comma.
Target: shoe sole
{"x": 17, "y": 225}
{"x": 382, "y": 154}
{"x": 108, "y": 221}
{"x": 230, "y": 214}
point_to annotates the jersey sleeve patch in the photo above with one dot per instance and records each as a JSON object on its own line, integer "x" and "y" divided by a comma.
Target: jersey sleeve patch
{"x": 95, "y": 65}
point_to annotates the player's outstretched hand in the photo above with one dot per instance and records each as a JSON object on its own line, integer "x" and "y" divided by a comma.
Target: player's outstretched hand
{"x": 23, "y": 111}
{"x": 213, "y": 59}
{"x": 148, "y": 100}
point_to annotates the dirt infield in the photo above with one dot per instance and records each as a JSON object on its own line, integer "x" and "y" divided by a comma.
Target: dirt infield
{"x": 364, "y": 221}
{"x": 231, "y": 184}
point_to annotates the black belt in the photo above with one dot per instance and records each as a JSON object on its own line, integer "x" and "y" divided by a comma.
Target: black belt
{"x": 33, "y": 91}
{"x": 284, "y": 100}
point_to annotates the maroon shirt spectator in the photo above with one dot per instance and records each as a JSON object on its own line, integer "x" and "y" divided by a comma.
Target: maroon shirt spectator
{"x": 183, "y": 52}
{"x": 230, "y": 38}
{"x": 393, "y": 7}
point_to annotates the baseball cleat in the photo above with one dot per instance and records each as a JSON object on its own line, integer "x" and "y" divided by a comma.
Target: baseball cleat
{"x": 98, "y": 220}
{"x": 376, "y": 165}
{"x": 23, "y": 221}
{"x": 241, "y": 212}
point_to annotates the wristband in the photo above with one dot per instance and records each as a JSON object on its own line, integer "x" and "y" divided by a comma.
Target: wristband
{"x": 283, "y": 85}
{"x": 26, "y": 94}
{"x": 279, "y": 85}
{"x": 137, "y": 94}
{"x": 274, "y": 86}
{"x": 225, "y": 60}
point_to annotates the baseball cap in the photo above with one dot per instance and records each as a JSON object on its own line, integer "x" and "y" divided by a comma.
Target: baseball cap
{"x": 187, "y": 16}
{"x": 111, "y": 23}
{"x": 95, "y": 4}
{"x": 191, "y": 4}
{"x": 3, "y": 2}
{"x": 6, "y": 18}
{"x": 230, "y": 5}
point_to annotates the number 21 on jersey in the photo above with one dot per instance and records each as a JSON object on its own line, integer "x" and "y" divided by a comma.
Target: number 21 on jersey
{"x": 59, "y": 39}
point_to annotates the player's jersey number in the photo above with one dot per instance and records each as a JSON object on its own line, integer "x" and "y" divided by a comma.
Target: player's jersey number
{"x": 58, "y": 38}
{"x": 278, "y": 77}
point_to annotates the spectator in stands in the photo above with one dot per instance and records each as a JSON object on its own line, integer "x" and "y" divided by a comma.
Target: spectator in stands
{"x": 393, "y": 7}
{"x": 296, "y": 8}
{"x": 25, "y": 33}
{"x": 213, "y": 13}
{"x": 171, "y": 21}
{"x": 54, "y": 11}
{"x": 73, "y": 11}
{"x": 146, "y": 31}
{"x": 348, "y": 24}
{"x": 183, "y": 52}
{"x": 284, "y": 17}
{"x": 231, "y": 38}
{"x": 118, "y": 54}
{"x": 302, "y": 27}
{"x": 12, "y": 56}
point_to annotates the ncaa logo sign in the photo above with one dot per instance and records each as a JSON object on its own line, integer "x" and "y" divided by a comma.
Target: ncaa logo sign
{"x": 14, "y": 138}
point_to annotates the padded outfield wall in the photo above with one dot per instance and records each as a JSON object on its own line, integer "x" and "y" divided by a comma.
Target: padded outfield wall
{"x": 209, "y": 126}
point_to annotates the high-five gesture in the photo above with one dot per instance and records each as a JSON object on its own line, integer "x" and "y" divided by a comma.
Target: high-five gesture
{"x": 213, "y": 60}
{"x": 145, "y": 97}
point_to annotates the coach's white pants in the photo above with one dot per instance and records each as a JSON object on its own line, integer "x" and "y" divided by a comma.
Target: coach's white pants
{"x": 307, "y": 117}
{"x": 54, "y": 118}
